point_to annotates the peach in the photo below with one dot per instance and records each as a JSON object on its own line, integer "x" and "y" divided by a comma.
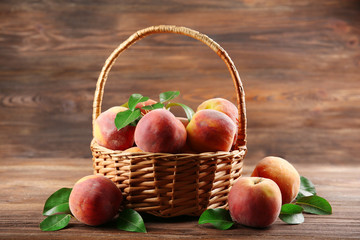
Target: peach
{"x": 107, "y": 135}
{"x": 183, "y": 120}
{"x": 210, "y": 131}
{"x": 133, "y": 150}
{"x": 221, "y": 105}
{"x": 254, "y": 201}
{"x": 95, "y": 200}
{"x": 160, "y": 131}
{"x": 283, "y": 173}
{"x": 143, "y": 104}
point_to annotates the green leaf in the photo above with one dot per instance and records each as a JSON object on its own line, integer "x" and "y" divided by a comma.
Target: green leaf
{"x": 55, "y": 222}
{"x": 291, "y": 209}
{"x": 167, "y": 96}
{"x": 58, "y": 202}
{"x": 219, "y": 218}
{"x": 125, "y": 105}
{"x": 124, "y": 118}
{"x": 135, "y": 99}
{"x": 188, "y": 111}
{"x": 291, "y": 214}
{"x": 130, "y": 220}
{"x": 307, "y": 188}
{"x": 315, "y": 205}
{"x": 153, "y": 106}
{"x": 296, "y": 218}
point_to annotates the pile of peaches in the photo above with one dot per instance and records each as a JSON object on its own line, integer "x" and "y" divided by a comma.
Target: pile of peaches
{"x": 213, "y": 127}
{"x": 253, "y": 201}
{"x": 256, "y": 201}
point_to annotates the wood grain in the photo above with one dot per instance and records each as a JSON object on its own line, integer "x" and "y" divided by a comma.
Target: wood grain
{"x": 23, "y": 195}
{"x": 299, "y": 63}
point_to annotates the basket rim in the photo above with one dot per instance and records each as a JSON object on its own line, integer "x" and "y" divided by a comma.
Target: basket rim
{"x": 94, "y": 144}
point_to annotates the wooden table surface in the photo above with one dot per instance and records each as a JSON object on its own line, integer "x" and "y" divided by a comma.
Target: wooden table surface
{"x": 299, "y": 62}
{"x": 27, "y": 184}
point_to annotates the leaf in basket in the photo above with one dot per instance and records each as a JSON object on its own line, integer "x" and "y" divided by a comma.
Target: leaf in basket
{"x": 291, "y": 214}
{"x": 307, "y": 188}
{"x": 135, "y": 99}
{"x": 219, "y": 218}
{"x": 125, "y": 105}
{"x": 125, "y": 118}
{"x": 167, "y": 96}
{"x": 153, "y": 106}
{"x": 315, "y": 205}
{"x": 131, "y": 221}
{"x": 58, "y": 202}
{"x": 55, "y": 222}
{"x": 188, "y": 111}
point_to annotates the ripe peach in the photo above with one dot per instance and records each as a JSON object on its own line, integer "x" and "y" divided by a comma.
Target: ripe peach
{"x": 183, "y": 120}
{"x": 283, "y": 173}
{"x": 210, "y": 131}
{"x": 133, "y": 149}
{"x": 221, "y": 105}
{"x": 107, "y": 135}
{"x": 254, "y": 201}
{"x": 95, "y": 200}
{"x": 143, "y": 104}
{"x": 160, "y": 131}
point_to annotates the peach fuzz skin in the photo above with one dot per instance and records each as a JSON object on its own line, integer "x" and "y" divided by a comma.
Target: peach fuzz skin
{"x": 143, "y": 104}
{"x": 254, "y": 202}
{"x": 106, "y": 133}
{"x": 133, "y": 150}
{"x": 210, "y": 131}
{"x": 183, "y": 120}
{"x": 95, "y": 200}
{"x": 221, "y": 105}
{"x": 160, "y": 131}
{"x": 283, "y": 173}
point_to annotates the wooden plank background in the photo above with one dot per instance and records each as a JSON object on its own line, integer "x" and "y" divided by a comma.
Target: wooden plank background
{"x": 299, "y": 62}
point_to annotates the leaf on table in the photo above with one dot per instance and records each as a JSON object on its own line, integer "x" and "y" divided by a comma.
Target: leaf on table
{"x": 291, "y": 214}
{"x": 219, "y": 218}
{"x": 58, "y": 202}
{"x": 130, "y": 220}
{"x": 315, "y": 205}
{"x": 307, "y": 188}
{"x": 55, "y": 222}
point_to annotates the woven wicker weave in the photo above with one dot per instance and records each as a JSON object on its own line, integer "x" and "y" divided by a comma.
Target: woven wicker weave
{"x": 165, "y": 184}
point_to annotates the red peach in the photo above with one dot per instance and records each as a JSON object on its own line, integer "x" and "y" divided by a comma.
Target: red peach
{"x": 210, "y": 131}
{"x": 133, "y": 150}
{"x": 183, "y": 120}
{"x": 254, "y": 201}
{"x": 143, "y": 104}
{"x": 221, "y": 105}
{"x": 283, "y": 173}
{"x": 95, "y": 200}
{"x": 107, "y": 135}
{"x": 160, "y": 131}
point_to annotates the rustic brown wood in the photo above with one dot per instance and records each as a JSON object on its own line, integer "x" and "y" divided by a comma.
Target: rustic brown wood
{"x": 24, "y": 192}
{"x": 299, "y": 62}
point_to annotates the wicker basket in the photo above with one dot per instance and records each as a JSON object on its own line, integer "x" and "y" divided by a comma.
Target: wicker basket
{"x": 168, "y": 185}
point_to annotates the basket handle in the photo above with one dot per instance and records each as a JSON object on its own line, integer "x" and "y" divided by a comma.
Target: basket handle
{"x": 183, "y": 31}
